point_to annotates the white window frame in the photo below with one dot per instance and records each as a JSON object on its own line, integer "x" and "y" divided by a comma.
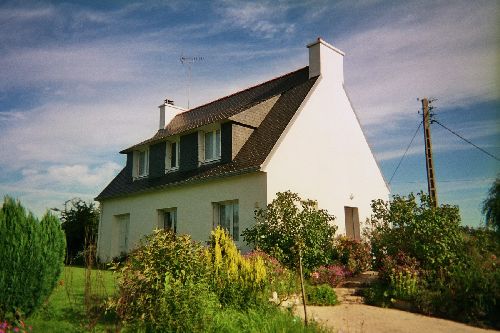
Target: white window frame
{"x": 168, "y": 155}
{"x": 234, "y": 223}
{"x": 161, "y": 218}
{"x": 216, "y": 146}
{"x": 137, "y": 161}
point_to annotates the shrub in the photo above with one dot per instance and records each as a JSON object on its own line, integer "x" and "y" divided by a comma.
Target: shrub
{"x": 288, "y": 223}
{"x": 430, "y": 235}
{"x": 279, "y": 279}
{"x": 164, "y": 285}
{"x": 31, "y": 258}
{"x": 354, "y": 254}
{"x": 321, "y": 295}
{"x": 332, "y": 275}
{"x": 237, "y": 281}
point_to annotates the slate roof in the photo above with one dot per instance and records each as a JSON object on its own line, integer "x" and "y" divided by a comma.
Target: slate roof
{"x": 292, "y": 89}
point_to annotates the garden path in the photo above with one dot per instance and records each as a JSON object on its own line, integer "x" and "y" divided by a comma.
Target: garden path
{"x": 360, "y": 318}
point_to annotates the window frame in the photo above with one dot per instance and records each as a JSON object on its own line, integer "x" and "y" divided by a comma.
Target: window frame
{"x": 168, "y": 155}
{"x": 172, "y": 211}
{"x": 137, "y": 163}
{"x": 234, "y": 228}
{"x": 216, "y": 145}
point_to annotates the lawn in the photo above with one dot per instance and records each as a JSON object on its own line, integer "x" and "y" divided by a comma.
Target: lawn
{"x": 65, "y": 310}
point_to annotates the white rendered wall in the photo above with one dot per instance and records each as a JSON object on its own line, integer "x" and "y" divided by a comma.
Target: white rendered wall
{"x": 194, "y": 210}
{"x": 323, "y": 154}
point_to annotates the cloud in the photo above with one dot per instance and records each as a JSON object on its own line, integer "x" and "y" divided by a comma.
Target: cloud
{"x": 449, "y": 53}
{"x": 264, "y": 18}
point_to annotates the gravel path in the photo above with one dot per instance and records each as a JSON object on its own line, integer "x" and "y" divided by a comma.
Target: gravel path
{"x": 359, "y": 318}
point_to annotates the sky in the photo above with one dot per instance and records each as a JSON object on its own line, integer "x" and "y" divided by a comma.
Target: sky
{"x": 80, "y": 81}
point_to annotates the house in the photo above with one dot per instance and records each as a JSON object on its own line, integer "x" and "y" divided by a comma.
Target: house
{"x": 215, "y": 164}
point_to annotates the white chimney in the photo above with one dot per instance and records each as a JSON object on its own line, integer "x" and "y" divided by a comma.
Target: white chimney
{"x": 168, "y": 104}
{"x": 325, "y": 59}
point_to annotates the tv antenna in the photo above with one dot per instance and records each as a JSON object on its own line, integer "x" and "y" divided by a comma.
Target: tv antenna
{"x": 188, "y": 61}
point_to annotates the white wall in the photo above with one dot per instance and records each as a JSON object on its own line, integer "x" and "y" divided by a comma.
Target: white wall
{"x": 323, "y": 154}
{"x": 194, "y": 209}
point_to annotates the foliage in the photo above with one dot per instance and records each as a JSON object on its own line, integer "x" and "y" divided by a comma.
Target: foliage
{"x": 430, "y": 235}
{"x": 237, "y": 281}
{"x": 31, "y": 258}
{"x": 279, "y": 279}
{"x": 491, "y": 206}
{"x": 289, "y": 223}
{"x": 147, "y": 297}
{"x": 354, "y": 254}
{"x": 80, "y": 221}
{"x": 265, "y": 319}
{"x": 321, "y": 295}
{"x": 20, "y": 327}
{"x": 332, "y": 275}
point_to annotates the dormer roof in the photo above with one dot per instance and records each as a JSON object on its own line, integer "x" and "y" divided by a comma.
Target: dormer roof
{"x": 272, "y": 104}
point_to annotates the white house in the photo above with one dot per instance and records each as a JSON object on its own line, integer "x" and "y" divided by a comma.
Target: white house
{"x": 215, "y": 164}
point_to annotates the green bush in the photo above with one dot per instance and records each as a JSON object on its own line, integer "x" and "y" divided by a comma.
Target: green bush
{"x": 238, "y": 281}
{"x": 430, "y": 235}
{"x": 321, "y": 295}
{"x": 164, "y": 285}
{"x": 31, "y": 258}
{"x": 355, "y": 255}
{"x": 288, "y": 223}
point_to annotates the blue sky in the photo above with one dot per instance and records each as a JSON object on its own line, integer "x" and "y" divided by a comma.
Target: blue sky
{"x": 79, "y": 81}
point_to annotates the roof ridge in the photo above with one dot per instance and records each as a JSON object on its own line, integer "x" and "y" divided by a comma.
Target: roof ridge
{"x": 246, "y": 89}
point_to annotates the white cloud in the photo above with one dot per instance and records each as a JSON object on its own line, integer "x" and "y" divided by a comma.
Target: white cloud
{"x": 449, "y": 53}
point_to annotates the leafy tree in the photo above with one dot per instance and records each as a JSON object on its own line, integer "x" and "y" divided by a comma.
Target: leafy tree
{"x": 289, "y": 223}
{"x": 80, "y": 222}
{"x": 31, "y": 258}
{"x": 491, "y": 206}
{"x": 430, "y": 235}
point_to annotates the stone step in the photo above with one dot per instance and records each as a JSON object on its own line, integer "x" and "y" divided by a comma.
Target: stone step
{"x": 352, "y": 300}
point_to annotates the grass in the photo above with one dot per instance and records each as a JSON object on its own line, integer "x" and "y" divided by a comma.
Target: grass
{"x": 65, "y": 311}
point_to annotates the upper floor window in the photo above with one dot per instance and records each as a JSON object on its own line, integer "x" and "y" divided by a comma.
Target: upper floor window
{"x": 212, "y": 145}
{"x": 172, "y": 156}
{"x": 141, "y": 163}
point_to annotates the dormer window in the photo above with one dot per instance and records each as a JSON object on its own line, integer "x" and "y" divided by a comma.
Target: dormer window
{"x": 172, "y": 155}
{"x": 212, "y": 145}
{"x": 141, "y": 163}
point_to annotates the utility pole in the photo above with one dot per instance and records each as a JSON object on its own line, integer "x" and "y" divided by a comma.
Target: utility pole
{"x": 431, "y": 179}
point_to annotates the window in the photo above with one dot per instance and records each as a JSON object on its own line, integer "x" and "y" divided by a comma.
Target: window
{"x": 167, "y": 219}
{"x": 122, "y": 226}
{"x": 141, "y": 163}
{"x": 172, "y": 156}
{"x": 212, "y": 145}
{"x": 227, "y": 216}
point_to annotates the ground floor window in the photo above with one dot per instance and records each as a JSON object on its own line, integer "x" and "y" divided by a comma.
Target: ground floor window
{"x": 122, "y": 225}
{"x": 167, "y": 219}
{"x": 226, "y": 215}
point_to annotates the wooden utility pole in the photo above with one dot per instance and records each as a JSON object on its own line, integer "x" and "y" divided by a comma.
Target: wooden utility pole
{"x": 431, "y": 180}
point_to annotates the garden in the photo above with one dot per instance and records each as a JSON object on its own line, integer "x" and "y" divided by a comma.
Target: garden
{"x": 425, "y": 260}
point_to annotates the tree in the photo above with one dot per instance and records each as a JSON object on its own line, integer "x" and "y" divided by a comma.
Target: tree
{"x": 491, "y": 206}
{"x": 80, "y": 222}
{"x": 31, "y": 259}
{"x": 289, "y": 224}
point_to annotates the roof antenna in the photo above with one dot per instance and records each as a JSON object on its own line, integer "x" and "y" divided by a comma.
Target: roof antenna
{"x": 188, "y": 61}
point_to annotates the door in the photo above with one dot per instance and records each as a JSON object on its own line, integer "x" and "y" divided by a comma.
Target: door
{"x": 352, "y": 222}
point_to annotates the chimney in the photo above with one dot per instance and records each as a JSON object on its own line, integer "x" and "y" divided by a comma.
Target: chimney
{"x": 325, "y": 59}
{"x": 168, "y": 104}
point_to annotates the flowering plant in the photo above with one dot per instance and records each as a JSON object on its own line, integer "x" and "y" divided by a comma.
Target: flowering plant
{"x": 332, "y": 275}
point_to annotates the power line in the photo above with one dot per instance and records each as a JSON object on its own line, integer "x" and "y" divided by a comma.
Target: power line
{"x": 461, "y": 137}
{"x": 406, "y": 151}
